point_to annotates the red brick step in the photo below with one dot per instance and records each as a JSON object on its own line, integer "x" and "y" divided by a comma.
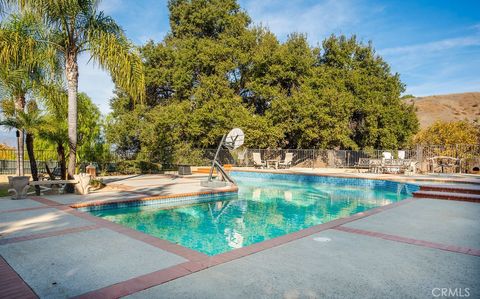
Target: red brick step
{"x": 457, "y": 188}
{"x": 447, "y": 195}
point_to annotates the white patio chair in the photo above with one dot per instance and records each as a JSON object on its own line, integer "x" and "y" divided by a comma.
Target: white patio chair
{"x": 387, "y": 155}
{"x": 257, "y": 160}
{"x": 287, "y": 162}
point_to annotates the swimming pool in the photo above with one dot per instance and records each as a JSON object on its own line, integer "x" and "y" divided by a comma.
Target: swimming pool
{"x": 266, "y": 206}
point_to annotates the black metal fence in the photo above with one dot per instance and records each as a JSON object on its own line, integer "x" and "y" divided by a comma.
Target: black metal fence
{"x": 8, "y": 163}
{"x": 308, "y": 158}
{"x": 467, "y": 155}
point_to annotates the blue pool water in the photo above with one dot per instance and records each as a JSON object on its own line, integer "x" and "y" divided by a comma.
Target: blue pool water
{"x": 267, "y": 206}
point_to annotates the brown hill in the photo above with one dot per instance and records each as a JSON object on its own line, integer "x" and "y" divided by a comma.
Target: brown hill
{"x": 448, "y": 107}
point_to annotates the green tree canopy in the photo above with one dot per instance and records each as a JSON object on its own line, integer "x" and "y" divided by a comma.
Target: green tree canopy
{"x": 215, "y": 71}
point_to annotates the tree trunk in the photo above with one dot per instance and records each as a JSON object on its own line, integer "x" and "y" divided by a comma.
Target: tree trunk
{"x": 33, "y": 162}
{"x": 61, "y": 157}
{"x": 71, "y": 68}
{"x": 20, "y": 106}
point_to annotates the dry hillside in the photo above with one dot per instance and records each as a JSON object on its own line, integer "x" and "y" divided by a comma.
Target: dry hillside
{"x": 448, "y": 107}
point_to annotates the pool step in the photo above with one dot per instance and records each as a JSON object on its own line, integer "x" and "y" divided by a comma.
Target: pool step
{"x": 447, "y": 195}
{"x": 458, "y": 188}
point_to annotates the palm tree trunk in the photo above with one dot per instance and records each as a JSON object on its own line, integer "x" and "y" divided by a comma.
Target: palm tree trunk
{"x": 61, "y": 157}
{"x": 33, "y": 162}
{"x": 20, "y": 106}
{"x": 71, "y": 67}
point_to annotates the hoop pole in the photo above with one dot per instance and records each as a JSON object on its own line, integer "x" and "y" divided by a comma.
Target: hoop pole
{"x": 215, "y": 158}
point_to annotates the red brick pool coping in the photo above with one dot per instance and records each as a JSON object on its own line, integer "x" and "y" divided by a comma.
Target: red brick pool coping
{"x": 162, "y": 276}
{"x": 198, "y": 261}
{"x": 187, "y": 253}
{"x": 417, "y": 194}
{"x": 405, "y": 179}
{"x": 11, "y": 284}
{"x": 150, "y": 198}
{"x": 202, "y": 261}
{"x": 448, "y": 196}
{"x": 452, "y": 189}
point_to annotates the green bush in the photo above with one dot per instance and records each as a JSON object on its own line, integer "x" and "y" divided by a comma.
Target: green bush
{"x": 184, "y": 153}
{"x": 148, "y": 167}
{"x": 137, "y": 167}
{"x": 97, "y": 183}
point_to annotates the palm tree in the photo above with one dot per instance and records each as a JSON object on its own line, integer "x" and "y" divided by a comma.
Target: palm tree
{"x": 75, "y": 27}
{"x": 55, "y": 128}
{"x": 3, "y": 4}
{"x": 29, "y": 121}
{"x": 23, "y": 63}
{"x": 12, "y": 86}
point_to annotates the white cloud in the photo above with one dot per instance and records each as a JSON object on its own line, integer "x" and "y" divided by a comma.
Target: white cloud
{"x": 111, "y": 6}
{"x": 435, "y": 46}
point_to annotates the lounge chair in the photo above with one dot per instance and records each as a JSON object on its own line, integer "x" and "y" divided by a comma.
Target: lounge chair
{"x": 287, "y": 162}
{"x": 257, "y": 160}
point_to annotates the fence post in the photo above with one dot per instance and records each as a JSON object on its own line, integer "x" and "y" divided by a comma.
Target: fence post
{"x": 314, "y": 159}
{"x": 419, "y": 155}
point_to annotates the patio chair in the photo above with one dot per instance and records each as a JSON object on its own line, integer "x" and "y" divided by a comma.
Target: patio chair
{"x": 387, "y": 155}
{"x": 411, "y": 167}
{"x": 257, "y": 160}
{"x": 375, "y": 165}
{"x": 444, "y": 164}
{"x": 363, "y": 163}
{"x": 392, "y": 166}
{"x": 241, "y": 157}
{"x": 287, "y": 162}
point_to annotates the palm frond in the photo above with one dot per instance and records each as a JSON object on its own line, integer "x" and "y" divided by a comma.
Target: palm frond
{"x": 115, "y": 54}
{"x": 54, "y": 98}
{"x": 10, "y": 123}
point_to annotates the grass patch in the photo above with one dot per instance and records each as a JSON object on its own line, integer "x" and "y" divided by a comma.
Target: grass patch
{"x": 3, "y": 189}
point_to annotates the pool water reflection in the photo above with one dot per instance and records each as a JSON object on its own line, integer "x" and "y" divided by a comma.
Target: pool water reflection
{"x": 263, "y": 209}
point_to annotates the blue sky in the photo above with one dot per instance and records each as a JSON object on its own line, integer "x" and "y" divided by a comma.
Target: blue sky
{"x": 434, "y": 45}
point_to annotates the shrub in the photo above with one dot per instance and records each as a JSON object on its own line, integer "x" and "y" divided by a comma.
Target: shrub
{"x": 185, "y": 154}
{"x": 97, "y": 183}
{"x": 137, "y": 167}
{"x": 449, "y": 133}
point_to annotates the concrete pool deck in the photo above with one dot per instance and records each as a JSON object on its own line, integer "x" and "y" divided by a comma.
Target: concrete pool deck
{"x": 402, "y": 250}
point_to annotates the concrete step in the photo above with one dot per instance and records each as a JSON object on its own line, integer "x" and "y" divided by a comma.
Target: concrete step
{"x": 452, "y": 188}
{"x": 447, "y": 195}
